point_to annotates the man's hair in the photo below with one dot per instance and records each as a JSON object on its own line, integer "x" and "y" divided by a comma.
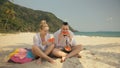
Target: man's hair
{"x": 65, "y": 23}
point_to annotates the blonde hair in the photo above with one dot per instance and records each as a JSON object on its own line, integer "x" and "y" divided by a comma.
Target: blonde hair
{"x": 43, "y": 24}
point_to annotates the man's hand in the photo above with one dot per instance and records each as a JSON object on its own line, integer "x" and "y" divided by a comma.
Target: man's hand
{"x": 68, "y": 35}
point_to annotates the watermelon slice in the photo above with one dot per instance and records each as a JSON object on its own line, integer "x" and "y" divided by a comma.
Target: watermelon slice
{"x": 51, "y": 40}
{"x": 67, "y": 48}
{"x": 65, "y": 32}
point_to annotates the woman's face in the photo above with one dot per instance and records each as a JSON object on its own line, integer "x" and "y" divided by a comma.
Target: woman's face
{"x": 45, "y": 30}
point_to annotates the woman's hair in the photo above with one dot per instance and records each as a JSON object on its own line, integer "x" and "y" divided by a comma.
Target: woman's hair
{"x": 43, "y": 24}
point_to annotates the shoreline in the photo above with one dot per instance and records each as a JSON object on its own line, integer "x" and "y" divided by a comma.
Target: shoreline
{"x": 2, "y": 34}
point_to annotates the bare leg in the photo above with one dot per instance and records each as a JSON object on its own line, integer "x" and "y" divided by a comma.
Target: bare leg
{"x": 74, "y": 52}
{"x": 78, "y": 56}
{"x": 37, "y": 51}
{"x": 38, "y": 61}
{"x": 58, "y": 53}
{"x": 49, "y": 49}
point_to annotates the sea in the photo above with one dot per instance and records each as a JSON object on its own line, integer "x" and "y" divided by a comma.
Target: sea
{"x": 101, "y": 34}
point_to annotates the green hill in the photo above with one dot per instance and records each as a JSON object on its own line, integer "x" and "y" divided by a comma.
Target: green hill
{"x": 15, "y": 18}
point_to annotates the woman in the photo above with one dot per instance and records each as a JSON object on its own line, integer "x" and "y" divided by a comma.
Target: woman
{"x": 42, "y": 47}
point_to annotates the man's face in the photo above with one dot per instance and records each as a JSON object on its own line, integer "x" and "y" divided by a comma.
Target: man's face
{"x": 65, "y": 28}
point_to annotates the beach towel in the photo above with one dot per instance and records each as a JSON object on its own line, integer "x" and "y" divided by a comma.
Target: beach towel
{"x": 30, "y": 55}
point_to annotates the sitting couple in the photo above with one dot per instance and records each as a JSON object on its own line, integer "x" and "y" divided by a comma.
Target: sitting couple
{"x": 43, "y": 47}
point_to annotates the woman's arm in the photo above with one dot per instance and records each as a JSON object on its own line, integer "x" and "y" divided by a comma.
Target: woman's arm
{"x": 36, "y": 41}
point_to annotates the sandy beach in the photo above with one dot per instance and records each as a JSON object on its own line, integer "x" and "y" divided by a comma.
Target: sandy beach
{"x": 98, "y": 52}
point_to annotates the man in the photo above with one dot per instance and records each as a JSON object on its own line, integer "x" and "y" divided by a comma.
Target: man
{"x": 64, "y": 37}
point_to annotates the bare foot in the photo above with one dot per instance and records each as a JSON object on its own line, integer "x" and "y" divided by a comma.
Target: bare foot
{"x": 63, "y": 59}
{"x": 78, "y": 56}
{"x": 39, "y": 61}
{"x": 52, "y": 61}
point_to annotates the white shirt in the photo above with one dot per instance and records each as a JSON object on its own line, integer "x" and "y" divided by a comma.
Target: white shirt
{"x": 38, "y": 42}
{"x": 62, "y": 42}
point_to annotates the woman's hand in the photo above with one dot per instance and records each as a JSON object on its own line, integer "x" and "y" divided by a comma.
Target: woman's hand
{"x": 47, "y": 43}
{"x": 44, "y": 43}
{"x": 51, "y": 40}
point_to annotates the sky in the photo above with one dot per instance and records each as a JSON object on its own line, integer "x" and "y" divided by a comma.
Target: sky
{"x": 82, "y": 15}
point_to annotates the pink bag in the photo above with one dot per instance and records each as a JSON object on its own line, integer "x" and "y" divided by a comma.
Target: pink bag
{"x": 22, "y": 53}
{"x": 18, "y": 60}
{"x": 21, "y": 56}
